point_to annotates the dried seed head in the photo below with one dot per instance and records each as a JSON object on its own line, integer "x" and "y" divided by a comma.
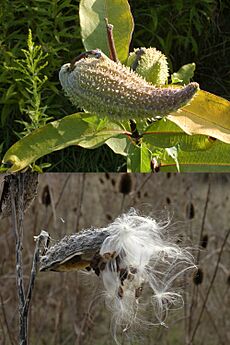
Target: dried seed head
{"x": 99, "y": 85}
{"x": 198, "y": 277}
{"x": 46, "y": 198}
{"x": 151, "y": 64}
{"x": 190, "y": 211}
{"x": 228, "y": 280}
{"x": 204, "y": 241}
{"x": 125, "y": 186}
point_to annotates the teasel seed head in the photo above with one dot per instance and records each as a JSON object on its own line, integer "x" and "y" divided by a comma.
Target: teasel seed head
{"x": 46, "y": 197}
{"x": 190, "y": 211}
{"x": 228, "y": 280}
{"x": 103, "y": 87}
{"x": 125, "y": 186}
{"x": 198, "y": 277}
{"x": 204, "y": 241}
{"x": 151, "y": 64}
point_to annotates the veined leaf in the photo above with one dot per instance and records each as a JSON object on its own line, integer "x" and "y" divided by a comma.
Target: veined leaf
{"x": 93, "y": 29}
{"x": 81, "y": 129}
{"x": 207, "y": 114}
{"x": 217, "y": 159}
{"x": 139, "y": 158}
{"x": 166, "y": 134}
{"x": 119, "y": 144}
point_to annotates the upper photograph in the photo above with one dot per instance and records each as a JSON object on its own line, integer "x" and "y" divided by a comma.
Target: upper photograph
{"x": 115, "y": 86}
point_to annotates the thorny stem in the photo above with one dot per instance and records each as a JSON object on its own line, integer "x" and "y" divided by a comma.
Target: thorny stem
{"x": 210, "y": 287}
{"x": 112, "y": 48}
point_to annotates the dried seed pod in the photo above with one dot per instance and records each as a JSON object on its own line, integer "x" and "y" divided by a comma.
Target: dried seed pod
{"x": 99, "y": 85}
{"x": 151, "y": 64}
{"x": 75, "y": 252}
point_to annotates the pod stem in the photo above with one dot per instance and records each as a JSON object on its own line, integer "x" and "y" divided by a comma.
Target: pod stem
{"x": 112, "y": 48}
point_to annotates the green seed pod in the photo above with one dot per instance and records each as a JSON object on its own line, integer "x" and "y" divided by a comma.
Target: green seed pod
{"x": 103, "y": 87}
{"x": 151, "y": 64}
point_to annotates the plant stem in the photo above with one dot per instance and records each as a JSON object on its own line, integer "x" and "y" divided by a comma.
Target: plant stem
{"x": 210, "y": 287}
{"x": 17, "y": 194}
{"x": 112, "y": 48}
{"x": 16, "y": 191}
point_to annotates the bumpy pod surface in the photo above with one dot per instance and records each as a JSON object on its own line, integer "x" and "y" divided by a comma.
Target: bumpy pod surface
{"x": 151, "y": 64}
{"x": 106, "y": 88}
{"x": 83, "y": 245}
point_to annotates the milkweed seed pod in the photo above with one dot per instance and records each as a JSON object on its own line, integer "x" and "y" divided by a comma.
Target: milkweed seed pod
{"x": 73, "y": 252}
{"x": 151, "y": 64}
{"x": 103, "y": 87}
{"x": 132, "y": 254}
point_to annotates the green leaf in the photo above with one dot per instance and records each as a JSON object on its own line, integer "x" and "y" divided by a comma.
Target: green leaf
{"x": 81, "y": 129}
{"x": 93, "y": 28}
{"x": 139, "y": 158}
{"x": 166, "y": 134}
{"x": 119, "y": 145}
{"x": 184, "y": 75}
{"x": 217, "y": 159}
{"x": 207, "y": 114}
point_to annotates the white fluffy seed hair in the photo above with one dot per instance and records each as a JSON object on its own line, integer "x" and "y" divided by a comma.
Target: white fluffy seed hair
{"x": 144, "y": 248}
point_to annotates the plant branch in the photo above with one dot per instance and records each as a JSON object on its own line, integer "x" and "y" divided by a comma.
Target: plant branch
{"x": 210, "y": 287}
{"x": 17, "y": 195}
{"x": 17, "y": 191}
{"x": 41, "y": 238}
{"x": 10, "y": 337}
{"x": 213, "y": 322}
{"x": 195, "y": 288}
{"x": 80, "y": 200}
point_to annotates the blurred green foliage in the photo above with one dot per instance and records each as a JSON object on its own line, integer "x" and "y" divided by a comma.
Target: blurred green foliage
{"x": 185, "y": 30}
{"x": 55, "y": 27}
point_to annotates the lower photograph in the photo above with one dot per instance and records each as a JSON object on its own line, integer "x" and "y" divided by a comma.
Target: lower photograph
{"x": 108, "y": 258}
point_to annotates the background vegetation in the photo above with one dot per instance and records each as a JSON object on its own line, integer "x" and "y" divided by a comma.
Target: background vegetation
{"x": 65, "y": 307}
{"x": 186, "y": 31}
